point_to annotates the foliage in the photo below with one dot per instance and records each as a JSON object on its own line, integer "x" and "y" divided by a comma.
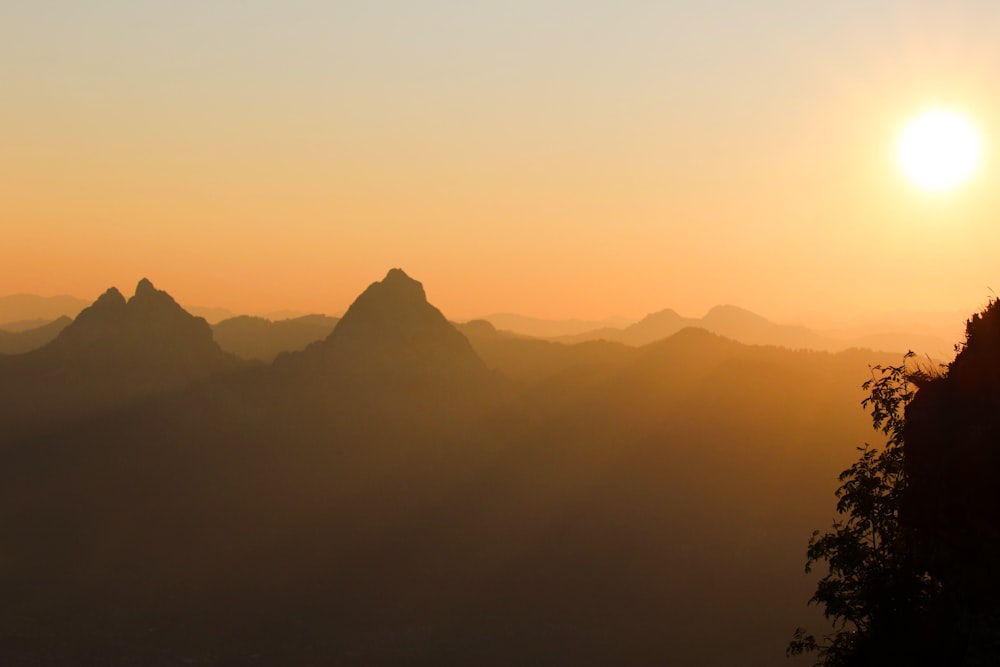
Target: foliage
{"x": 872, "y": 591}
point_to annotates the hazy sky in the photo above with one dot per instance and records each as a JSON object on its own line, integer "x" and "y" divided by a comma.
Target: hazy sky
{"x": 551, "y": 158}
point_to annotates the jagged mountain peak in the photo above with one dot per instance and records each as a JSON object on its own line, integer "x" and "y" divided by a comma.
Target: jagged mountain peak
{"x": 148, "y": 329}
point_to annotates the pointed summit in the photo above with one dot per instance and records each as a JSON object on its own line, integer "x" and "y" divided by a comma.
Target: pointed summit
{"x": 399, "y": 276}
{"x": 396, "y": 306}
{"x": 397, "y": 290}
{"x": 111, "y": 301}
{"x": 392, "y": 329}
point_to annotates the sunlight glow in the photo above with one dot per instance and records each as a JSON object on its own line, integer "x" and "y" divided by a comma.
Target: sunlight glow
{"x": 939, "y": 150}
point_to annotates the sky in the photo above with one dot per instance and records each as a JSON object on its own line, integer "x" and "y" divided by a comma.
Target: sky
{"x": 550, "y": 158}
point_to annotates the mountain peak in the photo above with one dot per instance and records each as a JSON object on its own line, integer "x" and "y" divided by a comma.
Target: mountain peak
{"x": 397, "y": 282}
{"x": 148, "y": 298}
{"x": 149, "y": 330}
{"x": 393, "y": 304}
{"x": 111, "y": 298}
{"x": 392, "y": 328}
{"x": 397, "y": 274}
{"x": 145, "y": 287}
{"x": 111, "y": 295}
{"x": 109, "y": 306}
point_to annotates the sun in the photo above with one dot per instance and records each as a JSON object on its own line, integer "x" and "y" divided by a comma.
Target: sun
{"x": 939, "y": 149}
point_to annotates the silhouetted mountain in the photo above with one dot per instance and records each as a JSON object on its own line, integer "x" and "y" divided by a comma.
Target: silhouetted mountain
{"x": 32, "y": 338}
{"x": 259, "y": 338}
{"x": 114, "y": 351}
{"x": 17, "y": 307}
{"x": 391, "y": 329}
{"x": 149, "y": 332}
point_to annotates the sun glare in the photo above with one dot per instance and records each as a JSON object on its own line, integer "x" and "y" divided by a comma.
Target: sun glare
{"x": 939, "y": 150}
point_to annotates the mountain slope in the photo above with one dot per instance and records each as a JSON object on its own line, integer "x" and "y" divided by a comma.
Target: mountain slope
{"x": 18, "y": 342}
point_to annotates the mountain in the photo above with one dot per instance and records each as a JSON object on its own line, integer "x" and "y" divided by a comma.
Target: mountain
{"x": 531, "y": 360}
{"x": 148, "y": 332}
{"x": 18, "y": 307}
{"x": 747, "y": 327}
{"x": 113, "y": 352}
{"x": 391, "y": 330}
{"x": 654, "y": 327}
{"x": 730, "y": 321}
{"x": 542, "y": 328}
{"x": 262, "y": 339}
{"x": 25, "y": 340}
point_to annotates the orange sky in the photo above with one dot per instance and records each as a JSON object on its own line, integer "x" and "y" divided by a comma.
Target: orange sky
{"x": 549, "y": 158}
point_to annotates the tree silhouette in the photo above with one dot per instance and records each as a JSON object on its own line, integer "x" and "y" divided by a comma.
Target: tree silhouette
{"x": 874, "y": 594}
{"x": 913, "y": 576}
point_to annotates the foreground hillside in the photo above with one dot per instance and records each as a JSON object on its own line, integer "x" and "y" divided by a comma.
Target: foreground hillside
{"x": 395, "y": 494}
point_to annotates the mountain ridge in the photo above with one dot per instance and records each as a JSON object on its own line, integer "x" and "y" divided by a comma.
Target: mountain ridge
{"x": 315, "y": 512}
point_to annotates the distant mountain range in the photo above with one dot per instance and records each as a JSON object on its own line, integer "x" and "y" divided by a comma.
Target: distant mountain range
{"x": 16, "y": 309}
{"x": 408, "y": 490}
{"x": 736, "y": 323}
{"x": 263, "y": 338}
{"x": 541, "y": 328}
